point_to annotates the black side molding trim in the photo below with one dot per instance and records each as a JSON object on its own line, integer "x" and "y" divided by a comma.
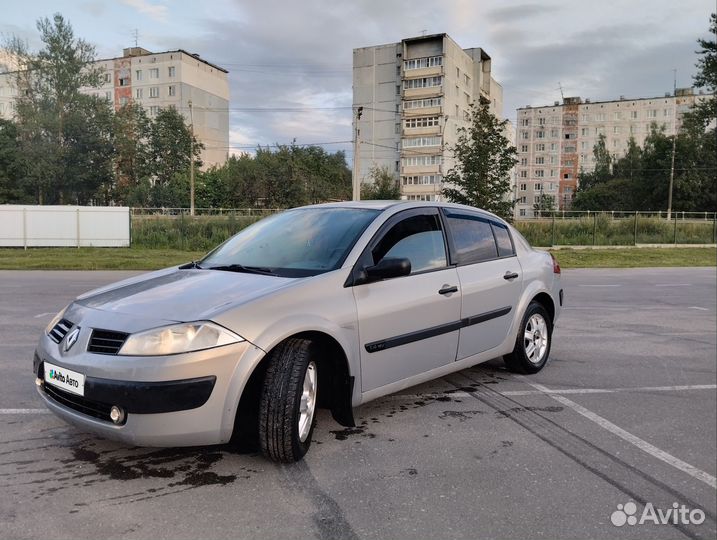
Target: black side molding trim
{"x": 434, "y": 331}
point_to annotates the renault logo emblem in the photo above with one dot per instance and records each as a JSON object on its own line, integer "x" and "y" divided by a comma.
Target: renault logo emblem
{"x": 71, "y": 338}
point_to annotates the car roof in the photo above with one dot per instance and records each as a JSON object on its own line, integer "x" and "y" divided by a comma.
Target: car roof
{"x": 385, "y": 205}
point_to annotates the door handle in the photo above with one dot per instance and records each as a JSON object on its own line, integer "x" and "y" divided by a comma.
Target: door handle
{"x": 448, "y": 289}
{"x": 510, "y": 275}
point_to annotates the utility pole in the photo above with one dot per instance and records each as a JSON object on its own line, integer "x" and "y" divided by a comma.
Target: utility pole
{"x": 191, "y": 160}
{"x": 356, "y": 179}
{"x": 674, "y": 142}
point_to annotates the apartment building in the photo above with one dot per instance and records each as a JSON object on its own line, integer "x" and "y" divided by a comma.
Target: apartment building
{"x": 158, "y": 80}
{"x": 555, "y": 142}
{"x": 416, "y": 95}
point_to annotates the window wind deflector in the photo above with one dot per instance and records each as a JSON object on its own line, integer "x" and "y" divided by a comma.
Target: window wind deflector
{"x": 236, "y": 267}
{"x": 190, "y": 265}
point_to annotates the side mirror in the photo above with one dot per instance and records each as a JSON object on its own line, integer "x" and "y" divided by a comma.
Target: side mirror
{"x": 388, "y": 268}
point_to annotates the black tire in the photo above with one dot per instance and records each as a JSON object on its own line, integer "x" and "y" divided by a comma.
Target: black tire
{"x": 519, "y": 361}
{"x": 280, "y": 402}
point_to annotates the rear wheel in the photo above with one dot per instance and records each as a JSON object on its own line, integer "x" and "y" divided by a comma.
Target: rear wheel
{"x": 532, "y": 346}
{"x": 288, "y": 401}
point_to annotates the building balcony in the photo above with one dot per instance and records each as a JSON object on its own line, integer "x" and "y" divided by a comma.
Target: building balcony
{"x": 413, "y": 132}
{"x": 422, "y": 111}
{"x": 407, "y": 170}
{"x": 420, "y": 93}
{"x": 431, "y": 71}
{"x": 421, "y": 189}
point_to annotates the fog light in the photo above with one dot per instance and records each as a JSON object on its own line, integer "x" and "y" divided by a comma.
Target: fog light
{"x": 116, "y": 414}
{"x": 38, "y": 381}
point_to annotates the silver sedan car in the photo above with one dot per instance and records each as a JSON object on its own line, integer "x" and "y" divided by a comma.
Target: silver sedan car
{"x": 322, "y": 306}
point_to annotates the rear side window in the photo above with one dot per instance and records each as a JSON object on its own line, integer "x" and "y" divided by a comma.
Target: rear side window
{"x": 472, "y": 237}
{"x": 418, "y": 239}
{"x": 502, "y": 239}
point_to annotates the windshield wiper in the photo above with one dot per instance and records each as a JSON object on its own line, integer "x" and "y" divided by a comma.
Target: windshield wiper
{"x": 236, "y": 267}
{"x": 189, "y": 265}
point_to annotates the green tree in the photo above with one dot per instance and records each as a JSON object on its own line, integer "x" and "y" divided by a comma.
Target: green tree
{"x": 10, "y": 189}
{"x": 545, "y": 204}
{"x": 383, "y": 185}
{"x": 131, "y": 128}
{"x": 706, "y": 78}
{"x": 602, "y": 171}
{"x": 49, "y": 103}
{"x": 484, "y": 158}
{"x": 170, "y": 145}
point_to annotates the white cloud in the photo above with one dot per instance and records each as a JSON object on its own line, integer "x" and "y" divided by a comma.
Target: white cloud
{"x": 156, "y": 11}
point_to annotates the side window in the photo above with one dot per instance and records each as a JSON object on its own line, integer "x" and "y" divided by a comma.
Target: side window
{"x": 417, "y": 238}
{"x": 502, "y": 238}
{"x": 473, "y": 238}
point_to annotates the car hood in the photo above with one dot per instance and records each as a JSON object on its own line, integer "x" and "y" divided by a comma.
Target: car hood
{"x": 181, "y": 295}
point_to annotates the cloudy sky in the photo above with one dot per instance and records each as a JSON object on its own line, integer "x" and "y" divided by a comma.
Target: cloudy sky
{"x": 297, "y": 54}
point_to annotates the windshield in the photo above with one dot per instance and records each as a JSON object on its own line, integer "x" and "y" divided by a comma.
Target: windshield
{"x": 296, "y": 243}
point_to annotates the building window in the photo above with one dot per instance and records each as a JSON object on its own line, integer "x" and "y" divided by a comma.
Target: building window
{"x": 633, "y": 115}
{"x": 423, "y": 82}
{"x": 123, "y": 101}
{"x": 421, "y": 180}
{"x": 108, "y": 96}
{"x": 523, "y": 147}
{"x": 466, "y": 80}
{"x": 553, "y": 173}
{"x": 124, "y": 81}
{"x": 524, "y": 174}
{"x": 652, "y": 113}
{"x": 523, "y": 187}
{"x": 553, "y": 147}
{"x": 422, "y": 160}
{"x": 524, "y": 134}
{"x": 538, "y": 186}
{"x": 423, "y": 121}
{"x": 540, "y": 160}
{"x": 617, "y": 115}
{"x": 154, "y": 92}
{"x": 616, "y": 129}
{"x": 153, "y": 110}
{"x": 540, "y": 134}
{"x": 567, "y": 176}
{"x": 138, "y": 93}
{"x": 584, "y": 117}
{"x": 398, "y": 89}
{"x": 525, "y": 122}
{"x": 171, "y": 71}
{"x": 554, "y": 133}
{"x": 108, "y": 77}
{"x": 421, "y": 141}
{"x": 524, "y": 162}
{"x": 138, "y": 74}
{"x": 600, "y": 117}
{"x": 522, "y": 212}
{"x": 585, "y": 132}
{"x": 422, "y": 103}
{"x": 553, "y": 160}
{"x": 172, "y": 91}
{"x": 540, "y": 147}
{"x": 154, "y": 73}
{"x": 418, "y": 63}
{"x": 541, "y": 121}
{"x": 539, "y": 173}
{"x": 398, "y": 128}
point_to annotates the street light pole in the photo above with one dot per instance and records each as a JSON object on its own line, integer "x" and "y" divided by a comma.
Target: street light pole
{"x": 356, "y": 183}
{"x": 191, "y": 160}
{"x": 674, "y": 141}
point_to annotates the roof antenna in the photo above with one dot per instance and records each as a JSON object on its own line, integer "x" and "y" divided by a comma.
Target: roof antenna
{"x": 423, "y": 32}
{"x": 135, "y": 35}
{"x": 561, "y": 91}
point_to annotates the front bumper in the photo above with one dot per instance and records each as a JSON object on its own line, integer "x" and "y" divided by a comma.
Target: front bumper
{"x": 179, "y": 400}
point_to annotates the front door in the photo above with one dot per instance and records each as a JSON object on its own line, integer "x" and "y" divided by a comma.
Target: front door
{"x": 408, "y": 325}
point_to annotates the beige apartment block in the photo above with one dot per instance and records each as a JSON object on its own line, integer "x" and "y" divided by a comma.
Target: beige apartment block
{"x": 555, "y": 142}
{"x": 416, "y": 95}
{"x": 156, "y": 81}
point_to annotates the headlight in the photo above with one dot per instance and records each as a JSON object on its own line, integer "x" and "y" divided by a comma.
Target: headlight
{"x": 56, "y": 319}
{"x": 178, "y": 338}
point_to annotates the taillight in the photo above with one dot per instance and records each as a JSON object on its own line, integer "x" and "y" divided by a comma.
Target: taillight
{"x": 556, "y": 266}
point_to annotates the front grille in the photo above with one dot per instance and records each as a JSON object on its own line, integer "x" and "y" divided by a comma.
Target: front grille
{"x": 59, "y": 331}
{"x": 106, "y": 341}
{"x": 79, "y": 403}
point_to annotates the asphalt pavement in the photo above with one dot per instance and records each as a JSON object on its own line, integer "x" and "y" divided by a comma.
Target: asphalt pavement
{"x": 625, "y": 412}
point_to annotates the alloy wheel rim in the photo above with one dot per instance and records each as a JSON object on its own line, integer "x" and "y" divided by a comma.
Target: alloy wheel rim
{"x": 307, "y": 405}
{"x": 535, "y": 338}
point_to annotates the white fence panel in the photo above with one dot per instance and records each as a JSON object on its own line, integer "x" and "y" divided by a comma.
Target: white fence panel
{"x": 64, "y": 226}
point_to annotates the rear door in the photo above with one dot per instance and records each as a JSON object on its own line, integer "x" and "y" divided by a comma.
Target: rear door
{"x": 408, "y": 325}
{"x": 490, "y": 277}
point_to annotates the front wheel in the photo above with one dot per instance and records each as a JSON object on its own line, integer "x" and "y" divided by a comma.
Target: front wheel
{"x": 532, "y": 346}
{"x": 288, "y": 401}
